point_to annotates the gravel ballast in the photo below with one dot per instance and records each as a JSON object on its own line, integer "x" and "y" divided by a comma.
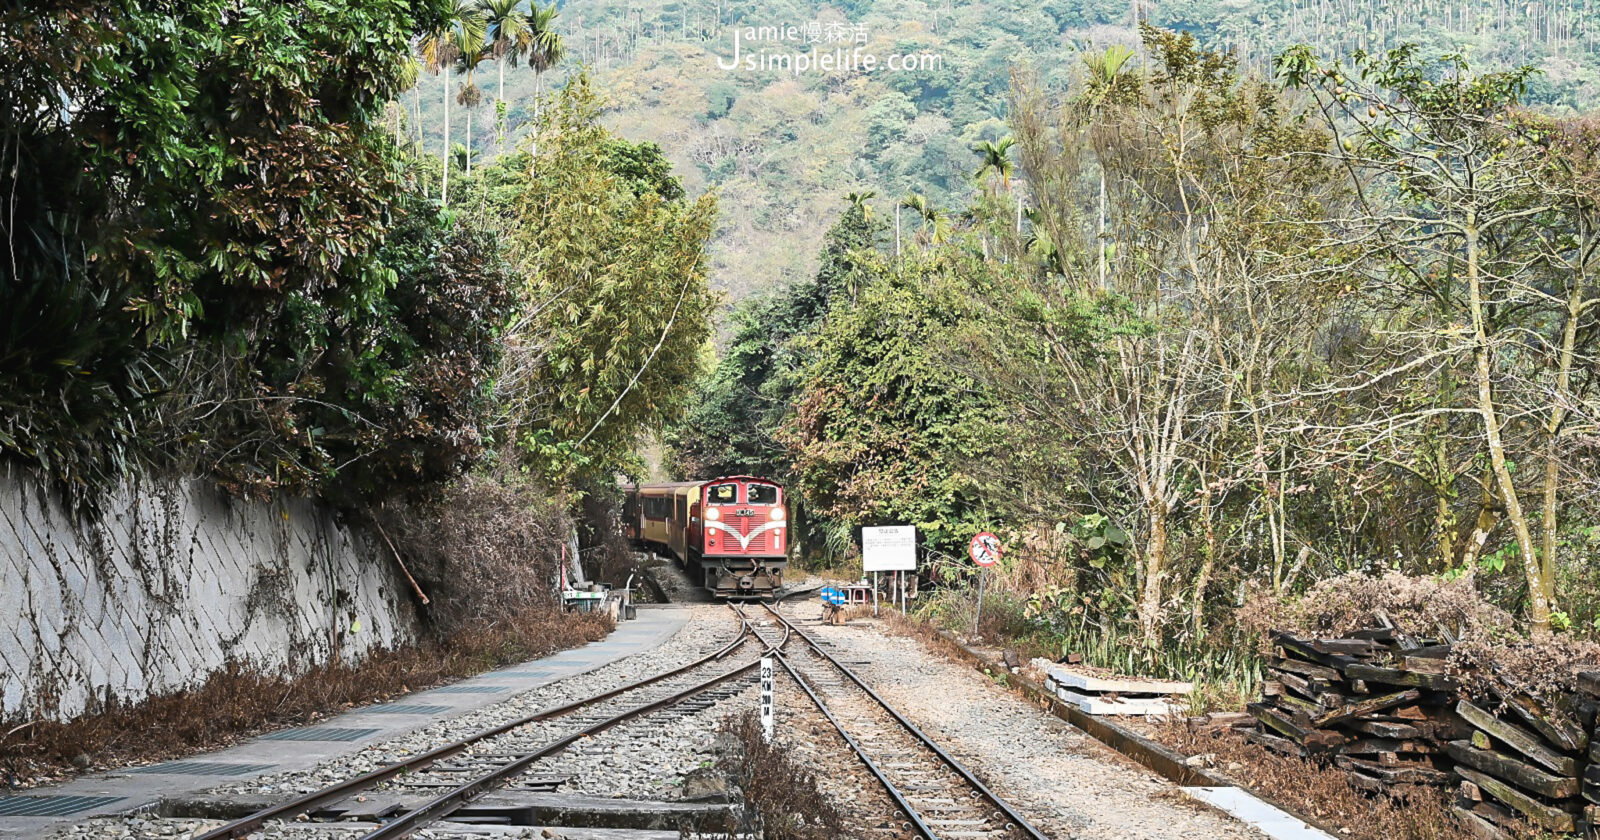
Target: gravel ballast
{"x": 644, "y": 759}
{"x": 1065, "y": 782}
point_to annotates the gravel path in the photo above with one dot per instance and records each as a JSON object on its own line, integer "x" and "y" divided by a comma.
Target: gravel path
{"x": 708, "y": 629}
{"x": 1067, "y": 783}
{"x": 136, "y": 828}
{"x": 642, "y": 759}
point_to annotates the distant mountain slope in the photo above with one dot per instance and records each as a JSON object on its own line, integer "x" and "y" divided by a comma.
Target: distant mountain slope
{"x": 783, "y": 148}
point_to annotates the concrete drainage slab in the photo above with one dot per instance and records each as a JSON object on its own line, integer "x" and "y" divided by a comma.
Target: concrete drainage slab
{"x": 52, "y": 806}
{"x": 404, "y": 709}
{"x": 202, "y": 768}
{"x": 1265, "y": 817}
{"x": 321, "y": 733}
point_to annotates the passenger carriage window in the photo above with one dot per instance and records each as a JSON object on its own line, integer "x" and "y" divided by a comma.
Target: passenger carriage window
{"x": 723, "y": 494}
{"x": 763, "y": 494}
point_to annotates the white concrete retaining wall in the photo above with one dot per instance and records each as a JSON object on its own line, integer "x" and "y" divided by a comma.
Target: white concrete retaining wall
{"x": 172, "y": 583}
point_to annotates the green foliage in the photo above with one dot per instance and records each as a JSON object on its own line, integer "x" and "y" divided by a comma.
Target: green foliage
{"x": 885, "y": 425}
{"x": 737, "y": 410}
{"x": 76, "y": 378}
{"x": 219, "y": 169}
{"x": 219, "y": 265}
{"x": 410, "y": 374}
{"x": 779, "y": 148}
{"x": 617, "y": 309}
{"x": 223, "y": 264}
{"x": 642, "y": 167}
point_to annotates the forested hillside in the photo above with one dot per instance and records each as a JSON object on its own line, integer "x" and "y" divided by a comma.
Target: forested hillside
{"x": 783, "y": 147}
{"x": 1254, "y": 336}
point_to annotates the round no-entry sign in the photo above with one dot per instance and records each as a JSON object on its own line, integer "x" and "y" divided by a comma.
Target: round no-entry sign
{"x": 985, "y": 549}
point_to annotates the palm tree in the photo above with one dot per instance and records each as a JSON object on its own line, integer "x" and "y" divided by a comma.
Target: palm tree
{"x": 471, "y": 50}
{"x": 460, "y": 156}
{"x": 416, "y": 91}
{"x": 1043, "y": 247}
{"x": 545, "y": 50}
{"x": 1105, "y": 72}
{"x": 511, "y": 37}
{"x": 911, "y": 201}
{"x": 1107, "y": 83}
{"x": 935, "y": 224}
{"x": 996, "y": 156}
{"x": 858, "y": 200}
{"x": 439, "y": 56}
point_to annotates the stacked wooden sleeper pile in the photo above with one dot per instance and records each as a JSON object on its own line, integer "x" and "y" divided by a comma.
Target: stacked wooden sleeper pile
{"x": 1522, "y": 762}
{"x": 1381, "y": 705}
{"x": 1378, "y": 703}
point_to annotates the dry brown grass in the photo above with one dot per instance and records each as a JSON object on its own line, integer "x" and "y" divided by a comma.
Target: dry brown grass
{"x": 782, "y": 792}
{"x": 485, "y": 550}
{"x": 1321, "y": 792}
{"x": 237, "y": 703}
{"x": 1547, "y": 668}
{"x": 1340, "y": 605}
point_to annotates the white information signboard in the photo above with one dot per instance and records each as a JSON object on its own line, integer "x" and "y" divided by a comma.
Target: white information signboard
{"x": 889, "y": 549}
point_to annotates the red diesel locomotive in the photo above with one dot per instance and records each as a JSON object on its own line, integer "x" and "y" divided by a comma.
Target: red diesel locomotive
{"x": 730, "y": 534}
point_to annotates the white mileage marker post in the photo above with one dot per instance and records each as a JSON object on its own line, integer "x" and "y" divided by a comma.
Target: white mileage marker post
{"x": 768, "y": 710}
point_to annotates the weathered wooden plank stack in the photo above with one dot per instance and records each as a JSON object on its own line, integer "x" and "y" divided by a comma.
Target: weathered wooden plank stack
{"x": 1523, "y": 762}
{"x": 1587, "y": 707}
{"x": 1378, "y": 704}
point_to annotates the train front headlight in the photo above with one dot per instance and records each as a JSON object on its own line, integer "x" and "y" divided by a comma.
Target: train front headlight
{"x": 713, "y": 514}
{"x": 777, "y": 514}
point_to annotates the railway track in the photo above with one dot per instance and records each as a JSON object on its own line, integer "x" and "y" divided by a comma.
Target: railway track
{"x": 495, "y": 757}
{"x": 938, "y": 798}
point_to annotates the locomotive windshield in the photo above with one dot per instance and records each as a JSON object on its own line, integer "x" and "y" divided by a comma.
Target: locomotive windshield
{"x": 763, "y": 494}
{"x": 723, "y": 494}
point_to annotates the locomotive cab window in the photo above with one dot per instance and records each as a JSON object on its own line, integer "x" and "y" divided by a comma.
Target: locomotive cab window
{"x": 763, "y": 494}
{"x": 723, "y": 494}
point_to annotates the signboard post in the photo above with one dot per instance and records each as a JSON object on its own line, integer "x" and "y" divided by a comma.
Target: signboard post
{"x": 768, "y": 711}
{"x": 985, "y": 550}
{"x": 891, "y": 548}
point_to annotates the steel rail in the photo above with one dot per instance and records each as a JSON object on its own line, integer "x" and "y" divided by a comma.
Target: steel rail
{"x": 1011, "y": 814}
{"x": 342, "y": 790}
{"x": 447, "y": 803}
{"x": 769, "y": 647}
{"x": 872, "y": 766}
{"x": 443, "y": 805}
